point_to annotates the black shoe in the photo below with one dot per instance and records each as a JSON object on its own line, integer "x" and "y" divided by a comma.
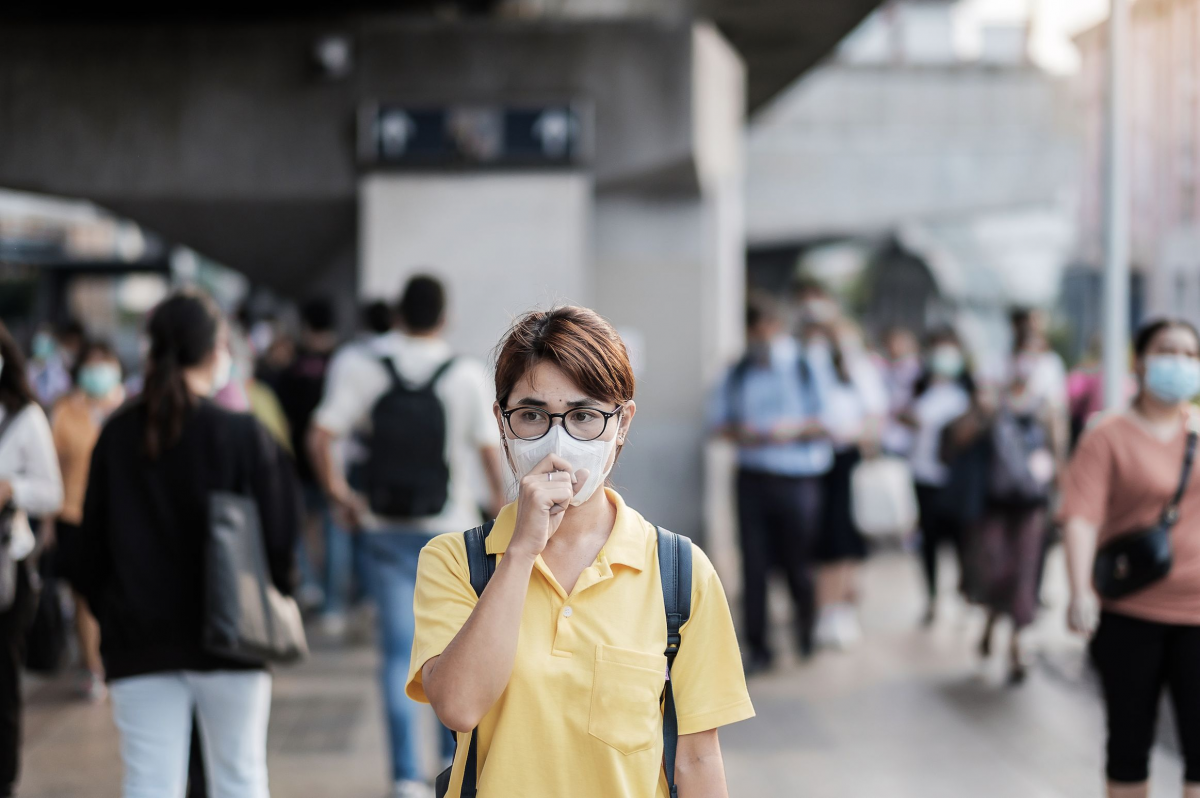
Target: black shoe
{"x": 757, "y": 663}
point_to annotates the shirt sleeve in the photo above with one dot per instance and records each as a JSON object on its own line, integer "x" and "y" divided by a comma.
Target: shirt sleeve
{"x": 1088, "y": 478}
{"x": 720, "y": 414}
{"x": 707, "y": 677}
{"x": 84, "y": 558}
{"x": 442, "y": 603}
{"x": 38, "y": 488}
{"x": 277, "y": 493}
{"x": 349, "y": 393}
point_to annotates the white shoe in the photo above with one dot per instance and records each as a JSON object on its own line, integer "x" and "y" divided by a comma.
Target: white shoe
{"x": 333, "y": 624}
{"x": 412, "y": 789}
{"x": 825, "y": 633}
{"x": 849, "y": 632}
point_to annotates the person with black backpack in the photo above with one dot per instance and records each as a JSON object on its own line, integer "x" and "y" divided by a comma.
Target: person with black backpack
{"x": 578, "y": 649}
{"x": 429, "y": 423}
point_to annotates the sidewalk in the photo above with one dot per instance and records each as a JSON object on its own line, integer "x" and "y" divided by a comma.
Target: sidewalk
{"x": 910, "y": 713}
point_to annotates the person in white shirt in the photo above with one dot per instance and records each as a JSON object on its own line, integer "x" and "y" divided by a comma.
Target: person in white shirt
{"x": 404, "y": 502}
{"x": 30, "y": 486}
{"x": 854, "y": 414}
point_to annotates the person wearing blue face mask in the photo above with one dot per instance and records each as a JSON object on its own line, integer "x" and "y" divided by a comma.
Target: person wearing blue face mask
{"x": 76, "y": 422}
{"x": 1130, "y": 481}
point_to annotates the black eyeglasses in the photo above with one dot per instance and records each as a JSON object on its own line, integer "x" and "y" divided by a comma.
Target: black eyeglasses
{"x": 581, "y": 423}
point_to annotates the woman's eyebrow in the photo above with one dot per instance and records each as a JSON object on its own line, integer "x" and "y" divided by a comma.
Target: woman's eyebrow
{"x": 530, "y": 401}
{"x": 586, "y": 402}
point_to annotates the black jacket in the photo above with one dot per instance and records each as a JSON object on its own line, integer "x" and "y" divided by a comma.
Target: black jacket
{"x": 138, "y": 557}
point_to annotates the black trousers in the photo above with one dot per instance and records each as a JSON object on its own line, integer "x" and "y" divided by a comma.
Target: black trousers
{"x": 13, "y": 625}
{"x": 1136, "y": 660}
{"x": 779, "y": 518}
{"x": 937, "y": 526}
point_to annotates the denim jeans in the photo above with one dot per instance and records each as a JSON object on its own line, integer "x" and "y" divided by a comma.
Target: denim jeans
{"x": 153, "y": 713}
{"x": 391, "y": 562}
{"x": 342, "y": 573}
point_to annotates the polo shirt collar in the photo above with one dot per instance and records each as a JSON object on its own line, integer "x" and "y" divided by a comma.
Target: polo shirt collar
{"x": 627, "y": 544}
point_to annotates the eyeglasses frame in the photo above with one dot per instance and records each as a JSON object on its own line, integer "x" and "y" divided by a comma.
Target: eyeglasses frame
{"x": 507, "y": 415}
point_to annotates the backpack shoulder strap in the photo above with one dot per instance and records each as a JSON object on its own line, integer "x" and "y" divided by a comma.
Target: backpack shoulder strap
{"x": 675, "y": 568}
{"x": 482, "y": 566}
{"x": 440, "y": 372}
{"x": 389, "y": 366}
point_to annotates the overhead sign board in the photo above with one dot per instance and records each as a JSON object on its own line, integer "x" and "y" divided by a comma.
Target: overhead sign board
{"x": 549, "y": 135}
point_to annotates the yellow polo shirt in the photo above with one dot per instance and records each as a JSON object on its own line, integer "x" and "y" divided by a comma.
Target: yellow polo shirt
{"x": 581, "y": 714}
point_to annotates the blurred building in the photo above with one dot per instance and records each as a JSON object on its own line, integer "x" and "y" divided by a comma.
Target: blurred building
{"x": 935, "y": 185}
{"x": 528, "y": 151}
{"x": 1164, "y": 132}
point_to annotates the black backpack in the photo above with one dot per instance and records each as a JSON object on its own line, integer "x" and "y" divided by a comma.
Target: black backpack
{"x": 675, "y": 570}
{"x": 406, "y": 474}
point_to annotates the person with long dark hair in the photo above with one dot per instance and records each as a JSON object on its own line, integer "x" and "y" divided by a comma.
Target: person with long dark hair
{"x": 1124, "y": 478}
{"x": 139, "y": 560}
{"x": 30, "y": 486}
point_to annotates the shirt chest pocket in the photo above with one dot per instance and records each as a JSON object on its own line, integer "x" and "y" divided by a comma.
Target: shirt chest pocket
{"x": 626, "y": 689}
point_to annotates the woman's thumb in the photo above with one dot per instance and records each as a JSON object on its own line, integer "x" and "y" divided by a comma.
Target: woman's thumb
{"x": 580, "y": 478}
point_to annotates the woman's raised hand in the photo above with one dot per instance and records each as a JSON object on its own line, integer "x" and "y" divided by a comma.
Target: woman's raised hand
{"x": 545, "y": 494}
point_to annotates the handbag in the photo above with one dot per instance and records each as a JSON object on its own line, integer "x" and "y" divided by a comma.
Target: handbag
{"x": 46, "y": 638}
{"x": 883, "y": 500}
{"x": 9, "y": 518}
{"x": 246, "y": 617}
{"x": 1138, "y": 559}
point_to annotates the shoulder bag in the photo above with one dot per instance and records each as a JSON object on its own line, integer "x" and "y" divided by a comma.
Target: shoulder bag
{"x": 246, "y": 617}
{"x": 1138, "y": 559}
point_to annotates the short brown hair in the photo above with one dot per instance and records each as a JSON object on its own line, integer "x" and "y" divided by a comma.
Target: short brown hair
{"x": 577, "y": 340}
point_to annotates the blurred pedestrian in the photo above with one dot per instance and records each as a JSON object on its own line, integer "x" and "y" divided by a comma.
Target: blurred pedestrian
{"x": 900, "y": 367}
{"x": 30, "y": 485}
{"x": 139, "y": 559}
{"x": 855, "y": 408}
{"x": 431, "y": 428}
{"x": 1005, "y": 537}
{"x": 770, "y": 405}
{"x": 557, "y": 668}
{"x": 55, "y": 351}
{"x": 301, "y": 386}
{"x": 76, "y": 423}
{"x": 1130, "y": 475}
{"x": 942, "y": 394}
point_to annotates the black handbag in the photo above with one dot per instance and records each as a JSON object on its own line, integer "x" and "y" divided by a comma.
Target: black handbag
{"x": 1136, "y": 560}
{"x": 246, "y": 617}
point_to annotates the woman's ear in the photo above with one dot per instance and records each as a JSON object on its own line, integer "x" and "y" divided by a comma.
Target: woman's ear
{"x": 627, "y": 415}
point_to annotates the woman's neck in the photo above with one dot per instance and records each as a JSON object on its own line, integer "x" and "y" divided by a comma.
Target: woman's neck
{"x": 594, "y": 516}
{"x": 1156, "y": 411}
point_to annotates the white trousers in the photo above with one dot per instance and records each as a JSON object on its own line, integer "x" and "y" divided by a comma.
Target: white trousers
{"x": 154, "y": 716}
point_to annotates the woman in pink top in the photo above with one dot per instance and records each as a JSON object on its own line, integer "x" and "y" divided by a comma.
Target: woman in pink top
{"x": 1122, "y": 476}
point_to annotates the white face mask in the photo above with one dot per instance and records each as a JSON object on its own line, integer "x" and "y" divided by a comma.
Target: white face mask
{"x": 222, "y": 370}
{"x": 592, "y": 455}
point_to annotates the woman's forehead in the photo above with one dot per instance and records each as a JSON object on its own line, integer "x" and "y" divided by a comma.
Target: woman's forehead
{"x": 1176, "y": 338}
{"x": 547, "y": 381}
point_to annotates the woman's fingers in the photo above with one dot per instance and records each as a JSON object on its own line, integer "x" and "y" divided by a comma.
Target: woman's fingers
{"x": 551, "y": 463}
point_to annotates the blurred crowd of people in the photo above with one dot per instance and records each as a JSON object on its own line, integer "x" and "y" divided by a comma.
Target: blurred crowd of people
{"x": 106, "y": 476}
{"x": 830, "y": 431}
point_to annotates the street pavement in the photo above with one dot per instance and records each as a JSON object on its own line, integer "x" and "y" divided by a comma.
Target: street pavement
{"x": 910, "y": 712}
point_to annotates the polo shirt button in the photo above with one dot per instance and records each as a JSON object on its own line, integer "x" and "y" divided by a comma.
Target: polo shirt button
{"x": 567, "y": 612}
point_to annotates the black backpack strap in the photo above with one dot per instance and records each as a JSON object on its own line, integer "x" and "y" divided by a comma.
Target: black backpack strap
{"x": 440, "y": 372}
{"x": 483, "y": 566}
{"x": 389, "y": 366}
{"x": 675, "y": 569}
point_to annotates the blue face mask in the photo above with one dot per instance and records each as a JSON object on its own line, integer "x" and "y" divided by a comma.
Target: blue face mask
{"x": 43, "y": 346}
{"x": 99, "y": 380}
{"x": 1173, "y": 378}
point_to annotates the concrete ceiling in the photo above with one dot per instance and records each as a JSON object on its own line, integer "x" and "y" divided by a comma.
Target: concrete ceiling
{"x": 779, "y": 39}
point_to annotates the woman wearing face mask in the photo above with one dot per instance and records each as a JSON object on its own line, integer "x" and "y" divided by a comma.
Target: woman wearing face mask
{"x": 30, "y": 485}
{"x": 1123, "y": 475}
{"x": 139, "y": 559}
{"x": 943, "y": 393}
{"x": 559, "y": 666}
{"x": 76, "y": 423}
